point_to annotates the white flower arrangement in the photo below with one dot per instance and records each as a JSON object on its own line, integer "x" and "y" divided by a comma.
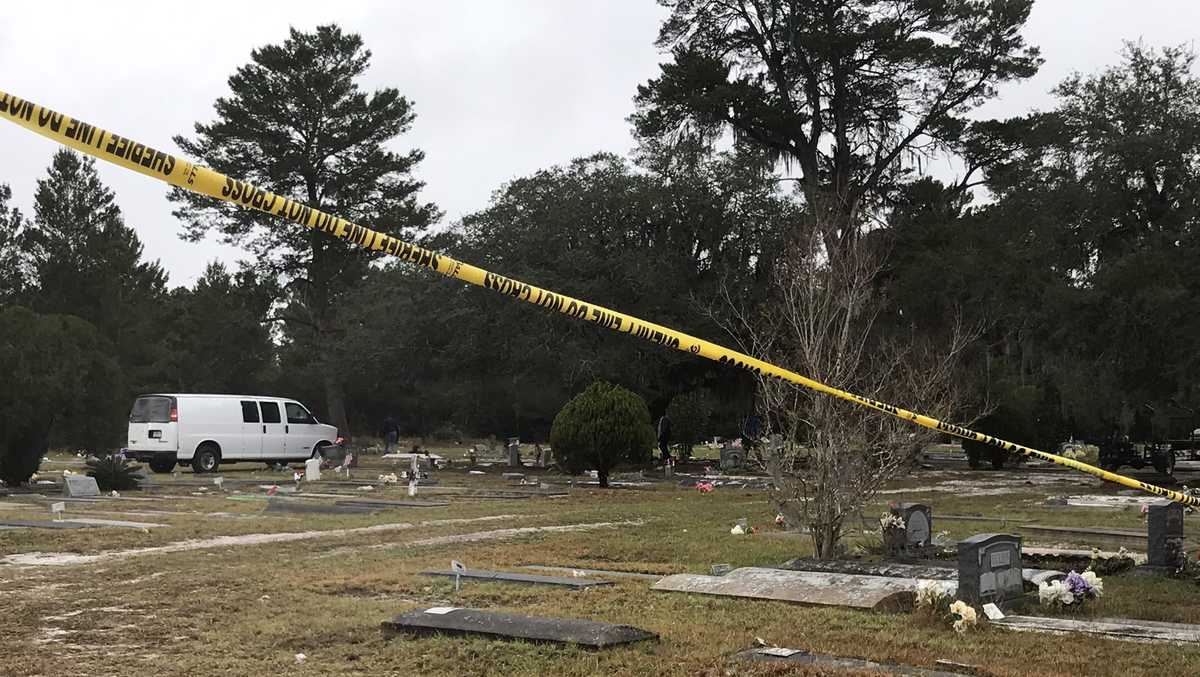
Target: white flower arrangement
{"x": 389, "y": 478}
{"x": 967, "y": 618}
{"x": 1075, "y": 589}
{"x": 889, "y": 521}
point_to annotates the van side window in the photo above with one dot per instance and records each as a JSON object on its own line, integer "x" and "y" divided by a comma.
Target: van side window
{"x": 297, "y": 413}
{"x": 249, "y": 412}
{"x": 270, "y": 412}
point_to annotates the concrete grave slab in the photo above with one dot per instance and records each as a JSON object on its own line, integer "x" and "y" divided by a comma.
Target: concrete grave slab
{"x": 80, "y": 486}
{"x": 528, "y": 579}
{"x": 899, "y": 570}
{"x": 452, "y": 621}
{"x": 799, "y": 657}
{"x": 275, "y": 504}
{"x": 38, "y": 524}
{"x": 1112, "y": 628}
{"x": 597, "y": 572}
{"x": 116, "y": 523}
{"x": 1108, "y": 537}
{"x": 385, "y": 503}
{"x": 877, "y": 593}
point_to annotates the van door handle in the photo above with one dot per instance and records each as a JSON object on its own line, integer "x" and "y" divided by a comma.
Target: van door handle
{"x": 287, "y": 429}
{"x": 264, "y": 429}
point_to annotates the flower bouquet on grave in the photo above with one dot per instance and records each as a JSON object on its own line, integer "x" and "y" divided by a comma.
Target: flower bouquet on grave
{"x": 893, "y": 531}
{"x": 1072, "y": 592}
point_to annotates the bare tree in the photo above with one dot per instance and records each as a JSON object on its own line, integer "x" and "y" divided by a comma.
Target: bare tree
{"x": 822, "y": 322}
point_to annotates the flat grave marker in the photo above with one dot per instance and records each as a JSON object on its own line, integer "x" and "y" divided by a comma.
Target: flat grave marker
{"x": 454, "y": 621}
{"x": 528, "y": 579}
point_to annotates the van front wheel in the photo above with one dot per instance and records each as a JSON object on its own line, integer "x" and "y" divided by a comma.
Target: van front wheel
{"x": 206, "y": 459}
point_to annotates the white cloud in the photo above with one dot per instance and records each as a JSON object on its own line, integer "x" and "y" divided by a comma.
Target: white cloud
{"x": 501, "y": 88}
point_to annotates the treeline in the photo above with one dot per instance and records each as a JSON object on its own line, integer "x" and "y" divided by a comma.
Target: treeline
{"x": 1071, "y": 243}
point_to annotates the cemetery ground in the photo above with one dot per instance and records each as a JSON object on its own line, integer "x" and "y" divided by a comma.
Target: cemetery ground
{"x": 224, "y": 587}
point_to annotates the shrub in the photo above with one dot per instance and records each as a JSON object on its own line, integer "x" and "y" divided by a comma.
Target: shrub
{"x": 21, "y": 452}
{"x": 601, "y": 427}
{"x": 113, "y": 473}
{"x": 60, "y": 378}
{"x": 690, "y": 414}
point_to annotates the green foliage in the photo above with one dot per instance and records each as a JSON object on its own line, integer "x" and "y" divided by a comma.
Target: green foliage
{"x": 601, "y": 427}
{"x": 12, "y": 272}
{"x": 86, "y": 262}
{"x": 113, "y": 473}
{"x": 60, "y": 382}
{"x": 690, "y": 414}
{"x": 297, "y": 123}
{"x": 843, "y": 92}
{"x": 219, "y": 342}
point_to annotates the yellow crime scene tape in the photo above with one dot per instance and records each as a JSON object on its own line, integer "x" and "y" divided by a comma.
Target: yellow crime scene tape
{"x": 139, "y": 157}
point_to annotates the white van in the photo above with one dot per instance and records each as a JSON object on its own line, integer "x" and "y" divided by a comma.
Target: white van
{"x": 208, "y": 430}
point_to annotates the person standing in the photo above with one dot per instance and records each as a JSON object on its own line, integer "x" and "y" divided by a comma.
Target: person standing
{"x": 664, "y": 438}
{"x": 391, "y": 433}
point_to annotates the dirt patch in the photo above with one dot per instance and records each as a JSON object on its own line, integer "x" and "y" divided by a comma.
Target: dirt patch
{"x": 36, "y": 559}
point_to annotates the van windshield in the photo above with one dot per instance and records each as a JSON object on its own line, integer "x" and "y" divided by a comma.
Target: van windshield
{"x": 151, "y": 410}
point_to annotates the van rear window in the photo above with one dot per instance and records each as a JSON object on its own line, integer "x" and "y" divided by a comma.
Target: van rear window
{"x": 151, "y": 410}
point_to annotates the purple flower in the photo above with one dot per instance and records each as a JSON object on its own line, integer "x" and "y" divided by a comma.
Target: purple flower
{"x": 1079, "y": 586}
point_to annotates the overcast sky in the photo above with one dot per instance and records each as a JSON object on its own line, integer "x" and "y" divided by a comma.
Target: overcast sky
{"x": 501, "y": 88}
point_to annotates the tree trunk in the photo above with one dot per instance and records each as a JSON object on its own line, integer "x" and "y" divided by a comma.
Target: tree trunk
{"x": 602, "y": 475}
{"x": 335, "y": 402}
{"x": 825, "y": 540}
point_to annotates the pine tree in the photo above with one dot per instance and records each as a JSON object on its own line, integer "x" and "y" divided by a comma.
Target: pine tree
{"x": 297, "y": 124}
{"x": 86, "y": 262}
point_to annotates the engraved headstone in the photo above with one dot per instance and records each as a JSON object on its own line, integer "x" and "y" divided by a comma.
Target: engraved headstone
{"x": 312, "y": 470}
{"x": 1164, "y": 525}
{"x": 989, "y": 568}
{"x": 918, "y": 524}
{"x": 732, "y": 458}
{"x": 80, "y": 486}
{"x": 514, "y": 452}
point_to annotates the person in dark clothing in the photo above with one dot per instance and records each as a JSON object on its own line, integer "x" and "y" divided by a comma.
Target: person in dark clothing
{"x": 664, "y": 438}
{"x": 391, "y": 433}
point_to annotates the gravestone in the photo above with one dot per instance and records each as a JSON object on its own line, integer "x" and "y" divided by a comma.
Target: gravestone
{"x": 494, "y": 624}
{"x": 732, "y": 458}
{"x": 514, "y": 452}
{"x": 1164, "y": 526}
{"x": 80, "y": 486}
{"x": 918, "y": 525}
{"x": 312, "y": 470}
{"x": 989, "y": 568}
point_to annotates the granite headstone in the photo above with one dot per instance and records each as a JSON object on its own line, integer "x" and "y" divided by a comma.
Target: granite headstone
{"x": 989, "y": 568}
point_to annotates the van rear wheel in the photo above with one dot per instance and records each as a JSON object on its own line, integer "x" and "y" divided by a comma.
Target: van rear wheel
{"x": 206, "y": 459}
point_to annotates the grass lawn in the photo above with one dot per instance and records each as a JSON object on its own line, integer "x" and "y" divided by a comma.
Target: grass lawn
{"x": 226, "y": 607}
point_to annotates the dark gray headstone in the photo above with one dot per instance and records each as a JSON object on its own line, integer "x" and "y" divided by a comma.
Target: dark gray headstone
{"x": 732, "y": 458}
{"x": 528, "y": 579}
{"x": 80, "y": 486}
{"x": 918, "y": 524}
{"x": 989, "y": 568}
{"x": 1164, "y": 527}
{"x": 514, "y": 452}
{"x": 514, "y": 626}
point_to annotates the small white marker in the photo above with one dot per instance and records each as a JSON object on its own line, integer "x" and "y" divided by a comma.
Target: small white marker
{"x": 57, "y": 509}
{"x": 993, "y": 612}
